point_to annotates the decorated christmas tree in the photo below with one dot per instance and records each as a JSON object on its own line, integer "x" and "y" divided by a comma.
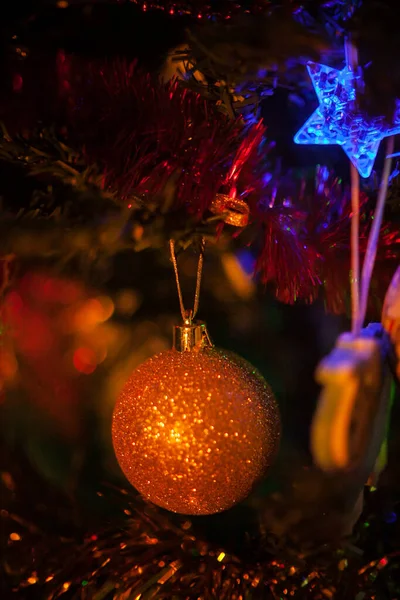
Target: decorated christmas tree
{"x": 164, "y": 165}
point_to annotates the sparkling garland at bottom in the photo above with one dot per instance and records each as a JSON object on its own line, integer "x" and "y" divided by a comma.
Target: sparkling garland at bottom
{"x": 149, "y": 554}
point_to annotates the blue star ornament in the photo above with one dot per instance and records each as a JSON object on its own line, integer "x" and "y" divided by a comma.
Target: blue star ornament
{"x": 338, "y": 121}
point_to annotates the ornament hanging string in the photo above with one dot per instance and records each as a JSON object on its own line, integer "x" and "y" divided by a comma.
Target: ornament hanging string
{"x": 355, "y": 249}
{"x": 360, "y": 288}
{"x": 188, "y": 315}
{"x": 373, "y": 239}
{"x": 352, "y": 62}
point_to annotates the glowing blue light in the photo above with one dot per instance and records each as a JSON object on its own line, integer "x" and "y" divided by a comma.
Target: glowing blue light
{"x": 338, "y": 121}
{"x": 391, "y": 517}
{"x": 246, "y": 260}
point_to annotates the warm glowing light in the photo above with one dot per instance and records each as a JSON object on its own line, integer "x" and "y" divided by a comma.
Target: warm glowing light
{"x": 127, "y": 302}
{"x": 52, "y": 289}
{"x": 8, "y": 365}
{"x": 241, "y": 282}
{"x": 180, "y": 429}
{"x": 85, "y": 360}
{"x": 35, "y": 337}
{"x": 383, "y": 562}
{"x": 92, "y": 312}
{"x": 8, "y": 481}
{"x": 14, "y": 303}
{"x": 221, "y": 556}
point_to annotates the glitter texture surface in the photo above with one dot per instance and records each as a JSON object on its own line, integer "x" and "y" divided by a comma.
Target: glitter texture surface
{"x": 193, "y": 431}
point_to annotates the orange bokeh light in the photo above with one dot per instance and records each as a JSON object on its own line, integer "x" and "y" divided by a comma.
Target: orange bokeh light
{"x": 92, "y": 312}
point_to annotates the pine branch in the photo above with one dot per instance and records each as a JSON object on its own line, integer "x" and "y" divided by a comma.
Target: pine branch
{"x": 77, "y": 216}
{"x": 147, "y": 552}
{"x": 237, "y": 65}
{"x": 45, "y": 156}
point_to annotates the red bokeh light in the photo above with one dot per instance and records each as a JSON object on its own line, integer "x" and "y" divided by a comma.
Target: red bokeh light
{"x": 85, "y": 360}
{"x": 17, "y": 82}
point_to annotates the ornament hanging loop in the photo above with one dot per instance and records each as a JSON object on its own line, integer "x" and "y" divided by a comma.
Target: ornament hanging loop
{"x": 191, "y": 335}
{"x": 188, "y": 316}
{"x": 188, "y": 320}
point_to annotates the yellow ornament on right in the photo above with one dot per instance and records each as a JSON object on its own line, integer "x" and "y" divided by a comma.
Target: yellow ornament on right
{"x": 391, "y": 316}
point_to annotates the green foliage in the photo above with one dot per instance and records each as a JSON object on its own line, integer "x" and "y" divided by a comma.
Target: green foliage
{"x": 70, "y": 213}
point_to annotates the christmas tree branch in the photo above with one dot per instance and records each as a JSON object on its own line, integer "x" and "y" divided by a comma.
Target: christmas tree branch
{"x": 77, "y": 215}
{"x": 149, "y": 553}
{"x": 241, "y": 63}
{"x": 129, "y": 182}
{"x": 72, "y": 216}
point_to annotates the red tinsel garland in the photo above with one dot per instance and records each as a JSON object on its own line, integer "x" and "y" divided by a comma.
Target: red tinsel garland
{"x": 199, "y": 9}
{"x": 145, "y": 133}
{"x": 159, "y": 139}
{"x": 284, "y": 259}
{"x": 222, "y": 9}
{"x": 305, "y": 228}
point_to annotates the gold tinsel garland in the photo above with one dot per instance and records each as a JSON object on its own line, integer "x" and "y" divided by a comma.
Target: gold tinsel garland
{"x": 148, "y": 553}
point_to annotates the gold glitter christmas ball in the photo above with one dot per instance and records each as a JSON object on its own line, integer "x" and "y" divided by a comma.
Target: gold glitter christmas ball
{"x": 193, "y": 431}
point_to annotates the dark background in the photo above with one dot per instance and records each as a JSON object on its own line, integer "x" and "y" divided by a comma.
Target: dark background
{"x": 284, "y": 342}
